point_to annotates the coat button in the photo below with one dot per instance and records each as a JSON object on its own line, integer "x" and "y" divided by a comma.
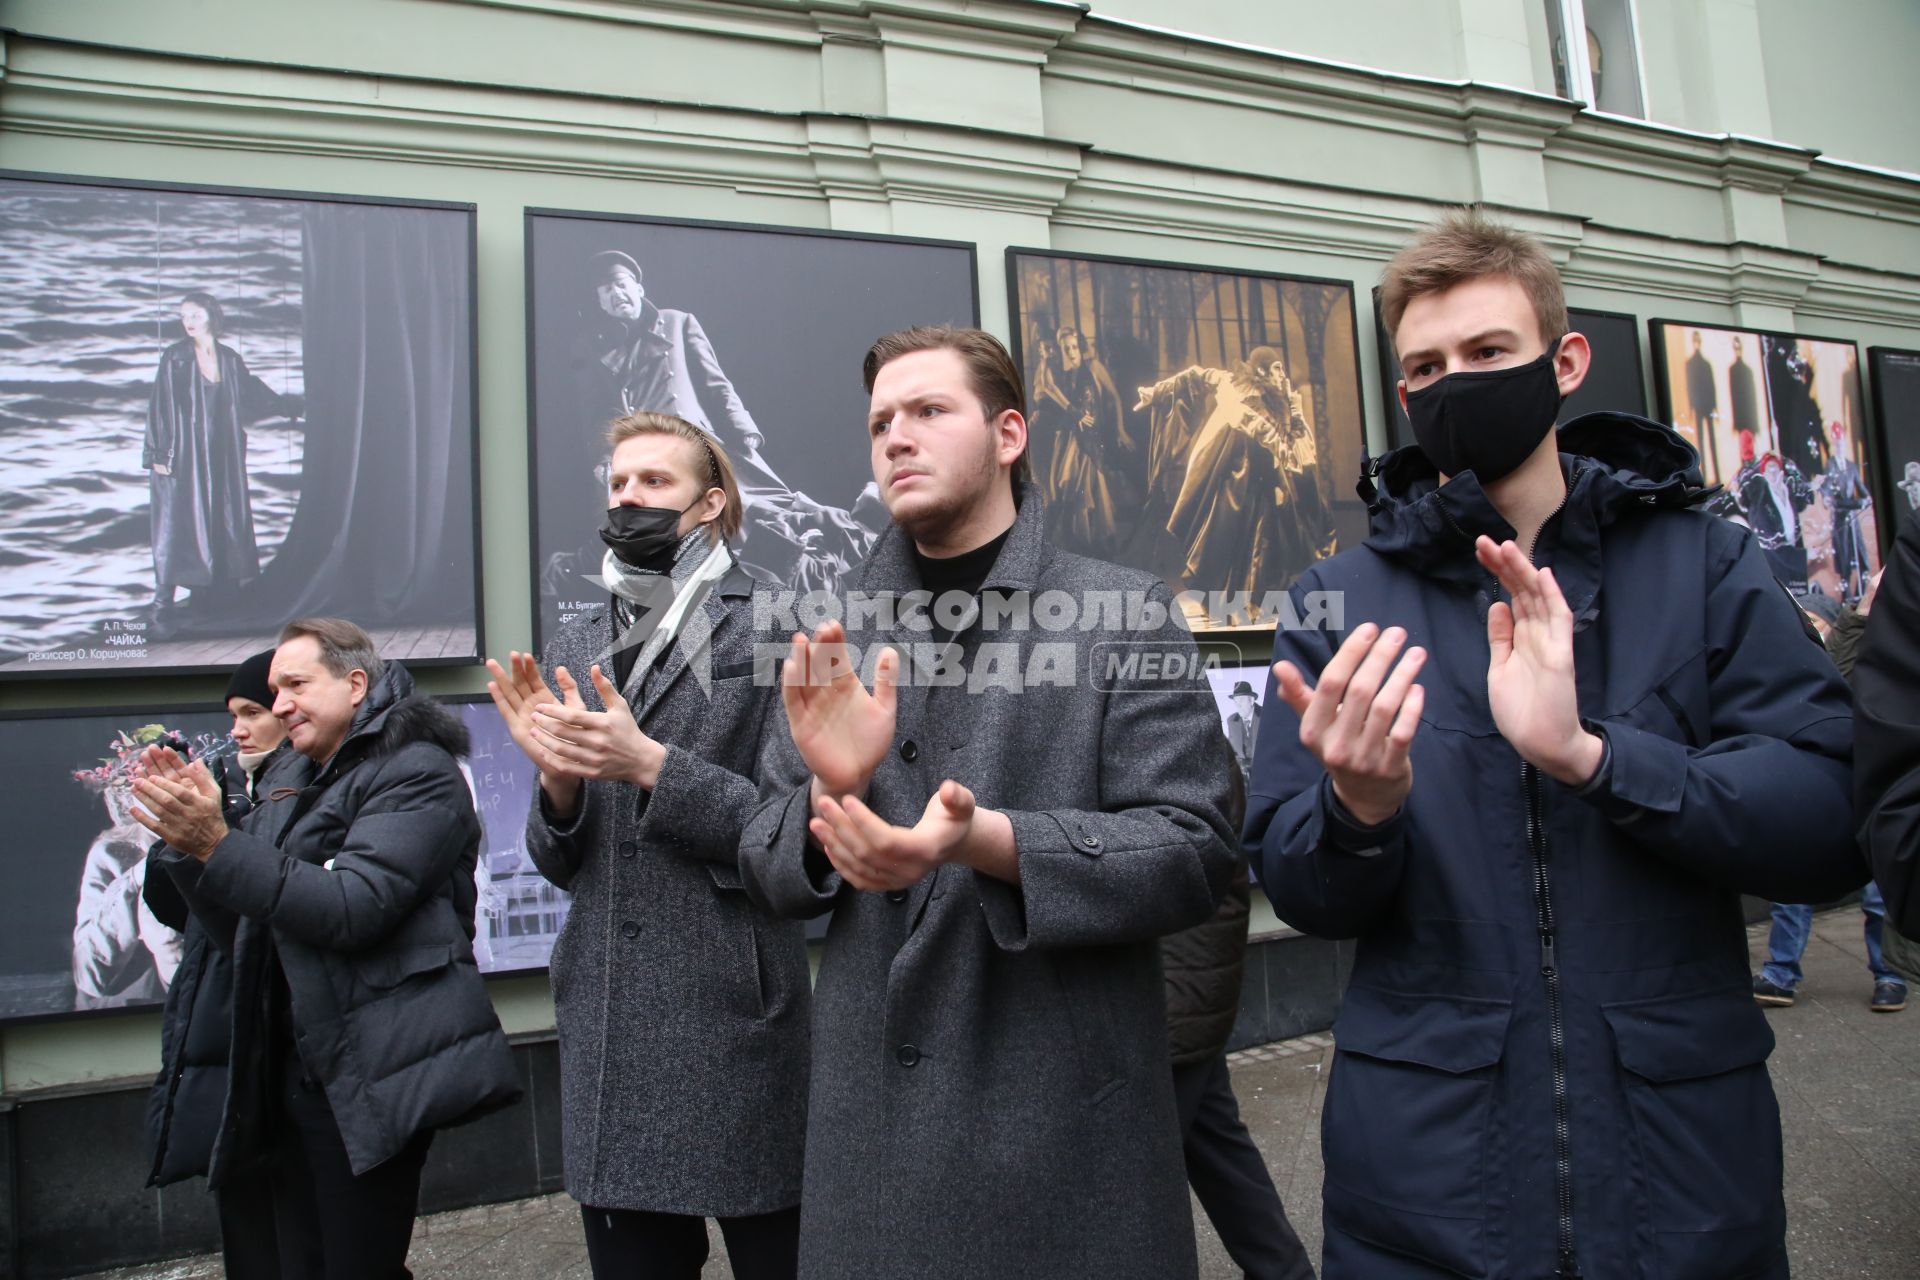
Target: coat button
{"x": 1091, "y": 842}
{"x": 630, "y": 930}
{"x": 897, "y": 895}
{"x": 909, "y": 1056}
{"x": 909, "y": 751}
{"x": 628, "y": 848}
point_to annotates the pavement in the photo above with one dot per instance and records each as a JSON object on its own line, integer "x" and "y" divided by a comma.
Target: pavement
{"x": 1848, "y": 1082}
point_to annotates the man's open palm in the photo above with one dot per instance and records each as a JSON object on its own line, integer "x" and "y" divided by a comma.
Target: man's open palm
{"x": 841, "y": 729}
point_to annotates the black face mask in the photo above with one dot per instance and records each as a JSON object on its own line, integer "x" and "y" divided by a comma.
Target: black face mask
{"x": 1487, "y": 423}
{"x": 645, "y": 538}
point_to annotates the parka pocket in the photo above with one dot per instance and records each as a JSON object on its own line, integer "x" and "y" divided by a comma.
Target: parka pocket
{"x": 1706, "y": 1130}
{"x": 388, "y": 969}
{"x": 1408, "y": 1127}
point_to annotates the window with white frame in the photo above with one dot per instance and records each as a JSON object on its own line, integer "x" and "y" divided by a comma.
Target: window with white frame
{"x": 1596, "y": 54}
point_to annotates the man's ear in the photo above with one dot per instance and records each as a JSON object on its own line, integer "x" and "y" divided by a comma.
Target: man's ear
{"x": 1571, "y": 362}
{"x": 1401, "y": 388}
{"x": 358, "y": 679}
{"x": 1010, "y": 434}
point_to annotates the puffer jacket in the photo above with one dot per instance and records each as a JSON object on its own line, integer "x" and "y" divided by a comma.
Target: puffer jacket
{"x": 1549, "y": 1060}
{"x": 359, "y": 872}
{"x": 196, "y": 1028}
{"x": 1205, "y": 964}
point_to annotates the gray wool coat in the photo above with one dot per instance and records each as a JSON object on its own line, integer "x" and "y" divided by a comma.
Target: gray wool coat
{"x": 682, "y": 1008}
{"x": 991, "y": 1091}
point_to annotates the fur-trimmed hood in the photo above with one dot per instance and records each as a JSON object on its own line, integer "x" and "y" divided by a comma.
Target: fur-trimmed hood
{"x": 394, "y": 716}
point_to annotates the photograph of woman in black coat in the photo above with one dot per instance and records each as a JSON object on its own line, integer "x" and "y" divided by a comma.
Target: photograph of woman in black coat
{"x": 204, "y": 397}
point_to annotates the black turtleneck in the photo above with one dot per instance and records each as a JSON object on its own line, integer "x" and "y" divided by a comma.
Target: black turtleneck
{"x": 964, "y": 572}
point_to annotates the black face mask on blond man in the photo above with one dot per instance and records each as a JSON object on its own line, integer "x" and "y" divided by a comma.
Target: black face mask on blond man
{"x": 1486, "y": 422}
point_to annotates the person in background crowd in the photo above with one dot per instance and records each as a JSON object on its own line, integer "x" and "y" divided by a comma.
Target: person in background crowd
{"x": 361, "y": 1024}
{"x": 1204, "y": 966}
{"x": 1886, "y": 741}
{"x": 1779, "y": 979}
{"x": 184, "y": 1111}
{"x": 1549, "y": 1061}
{"x": 682, "y": 1008}
{"x": 991, "y": 1091}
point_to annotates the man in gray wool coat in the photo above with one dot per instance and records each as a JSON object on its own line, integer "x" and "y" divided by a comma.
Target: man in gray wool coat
{"x": 681, "y": 1007}
{"x": 1003, "y": 826}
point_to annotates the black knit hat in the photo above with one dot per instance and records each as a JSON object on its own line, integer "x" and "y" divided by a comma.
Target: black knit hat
{"x": 250, "y": 679}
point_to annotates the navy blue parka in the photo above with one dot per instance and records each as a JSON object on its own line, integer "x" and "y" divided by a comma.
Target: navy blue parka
{"x": 1549, "y": 1058}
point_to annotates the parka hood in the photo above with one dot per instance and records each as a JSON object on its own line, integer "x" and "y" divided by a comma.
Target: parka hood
{"x": 1618, "y": 466}
{"x": 394, "y": 716}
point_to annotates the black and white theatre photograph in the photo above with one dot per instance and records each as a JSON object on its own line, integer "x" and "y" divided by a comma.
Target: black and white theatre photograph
{"x": 1202, "y": 425}
{"x": 223, "y": 410}
{"x": 755, "y": 335}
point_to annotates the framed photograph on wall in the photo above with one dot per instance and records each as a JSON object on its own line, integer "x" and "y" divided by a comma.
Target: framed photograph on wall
{"x": 1896, "y": 411}
{"x": 1204, "y": 425}
{"x": 225, "y": 409}
{"x": 1777, "y": 421}
{"x": 1615, "y": 380}
{"x": 79, "y": 937}
{"x": 756, "y": 334}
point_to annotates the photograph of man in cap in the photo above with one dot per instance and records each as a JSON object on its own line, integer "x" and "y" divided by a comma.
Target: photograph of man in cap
{"x": 1243, "y": 726}
{"x": 635, "y": 356}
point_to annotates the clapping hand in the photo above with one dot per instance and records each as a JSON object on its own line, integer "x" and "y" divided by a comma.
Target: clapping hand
{"x": 871, "y": 853}
{"x": 841, "y": 730}
{"x": 182, "y": 802}
{"x": 1530, "y": 678}
{"x": 1359, "y": 721}
{"x": 607, "y": 745}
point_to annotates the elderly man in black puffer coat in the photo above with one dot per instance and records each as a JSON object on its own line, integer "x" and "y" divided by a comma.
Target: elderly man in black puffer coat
{"x": 1205, "y": 966}
{"x": 360, "y": 1021}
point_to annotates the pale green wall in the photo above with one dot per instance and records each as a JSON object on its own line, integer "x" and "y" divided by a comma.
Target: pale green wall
{"x": 1840, "y": 76}
{"x": 1001, "y": 122}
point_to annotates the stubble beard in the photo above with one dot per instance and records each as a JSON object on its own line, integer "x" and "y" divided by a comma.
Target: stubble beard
{"x": 933, "y": 522}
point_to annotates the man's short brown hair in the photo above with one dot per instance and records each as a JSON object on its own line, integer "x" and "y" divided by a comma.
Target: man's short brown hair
{"x": 344, "y": 647}
{"x": 712, "y": 466}
{"x": 991, "y": 372}
{"x": 1465, "y": 244}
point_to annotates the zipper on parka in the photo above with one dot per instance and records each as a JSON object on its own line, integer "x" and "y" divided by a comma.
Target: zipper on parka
{"x": 1534, "y": 789}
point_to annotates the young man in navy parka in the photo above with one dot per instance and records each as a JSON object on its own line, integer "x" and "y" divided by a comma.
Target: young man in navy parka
{"x": 1567, "y": 722}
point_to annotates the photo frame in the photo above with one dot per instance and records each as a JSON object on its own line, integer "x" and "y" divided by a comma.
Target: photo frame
{"x": 1615, "y": 380}
{"x": 755, "y": 333}
{"x": 1203, "y": 424}
{"x": 1896, "y": 416}
{"x": 263, "y": 400}
{"x": 1778, "y": 421}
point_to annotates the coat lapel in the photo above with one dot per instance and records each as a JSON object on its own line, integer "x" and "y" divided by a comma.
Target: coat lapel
{"x": 693, "y": 643}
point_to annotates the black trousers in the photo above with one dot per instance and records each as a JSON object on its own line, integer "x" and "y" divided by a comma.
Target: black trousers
{"x": 1229, "y": 1177}
{"x": 632, "y": 1244}
{"x": 331, "y": 1224}
{"x": 249, "y": 1246}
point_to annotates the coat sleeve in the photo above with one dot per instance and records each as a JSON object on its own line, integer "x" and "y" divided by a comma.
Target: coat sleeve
{"x": 780, "y": 869}
{"x": 157, "y": 449}
{"x": 1159, "y": 852}
{"x": 1766, "y": 806}
{"x": 1325, "y": 874}
{"x": 406, "y": 838}
{"x": 1886, "y": 733}
{"x": 255, "y": 399}
{"x": 717, "y": 396}
{"x": 106, "y": 923}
